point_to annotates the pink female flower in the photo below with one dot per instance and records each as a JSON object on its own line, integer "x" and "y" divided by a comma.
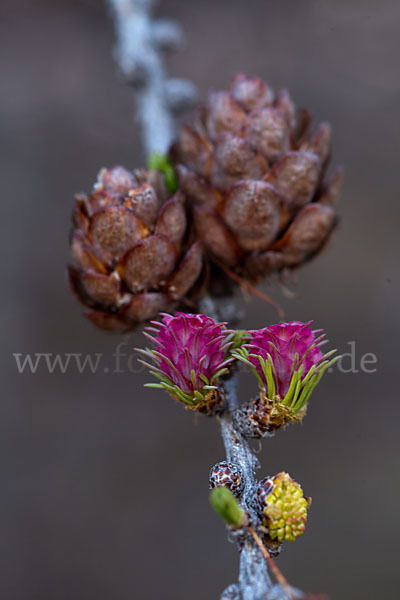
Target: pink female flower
{"x": 190, "y": 355}
{"x": 287, "y": 360}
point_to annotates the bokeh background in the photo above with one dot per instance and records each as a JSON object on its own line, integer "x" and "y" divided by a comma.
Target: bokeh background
{"x": 104, "y": 483}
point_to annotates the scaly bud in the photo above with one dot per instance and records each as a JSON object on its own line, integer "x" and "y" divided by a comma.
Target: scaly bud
{"x": 224, "y": 474}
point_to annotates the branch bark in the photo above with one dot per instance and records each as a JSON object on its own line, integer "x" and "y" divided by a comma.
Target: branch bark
{"x": 141, "y": 42}
{"x": 254, "y": 580}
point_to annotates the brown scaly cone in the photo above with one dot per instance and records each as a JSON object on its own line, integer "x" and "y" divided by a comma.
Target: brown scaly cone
{"x": 132, "y": 249}
{"x": 255, "y": 177}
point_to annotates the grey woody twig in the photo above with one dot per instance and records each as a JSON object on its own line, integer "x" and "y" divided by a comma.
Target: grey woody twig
{"x": 254, "y": 580}
{"x": 141, "y": 42}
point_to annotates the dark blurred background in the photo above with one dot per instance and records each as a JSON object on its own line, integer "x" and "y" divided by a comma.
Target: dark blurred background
{"x": 104, "y": 484}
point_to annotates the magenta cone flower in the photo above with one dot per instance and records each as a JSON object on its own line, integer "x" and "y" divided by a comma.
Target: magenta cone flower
{"x": 190, "y": 354}
{"x": 287, "y": 360}
{"x": 289, "y": 345}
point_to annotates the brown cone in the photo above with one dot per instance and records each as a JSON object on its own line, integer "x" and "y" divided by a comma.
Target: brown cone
{"x": 131, "y": 248}
{"x": 256, "y": 178}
